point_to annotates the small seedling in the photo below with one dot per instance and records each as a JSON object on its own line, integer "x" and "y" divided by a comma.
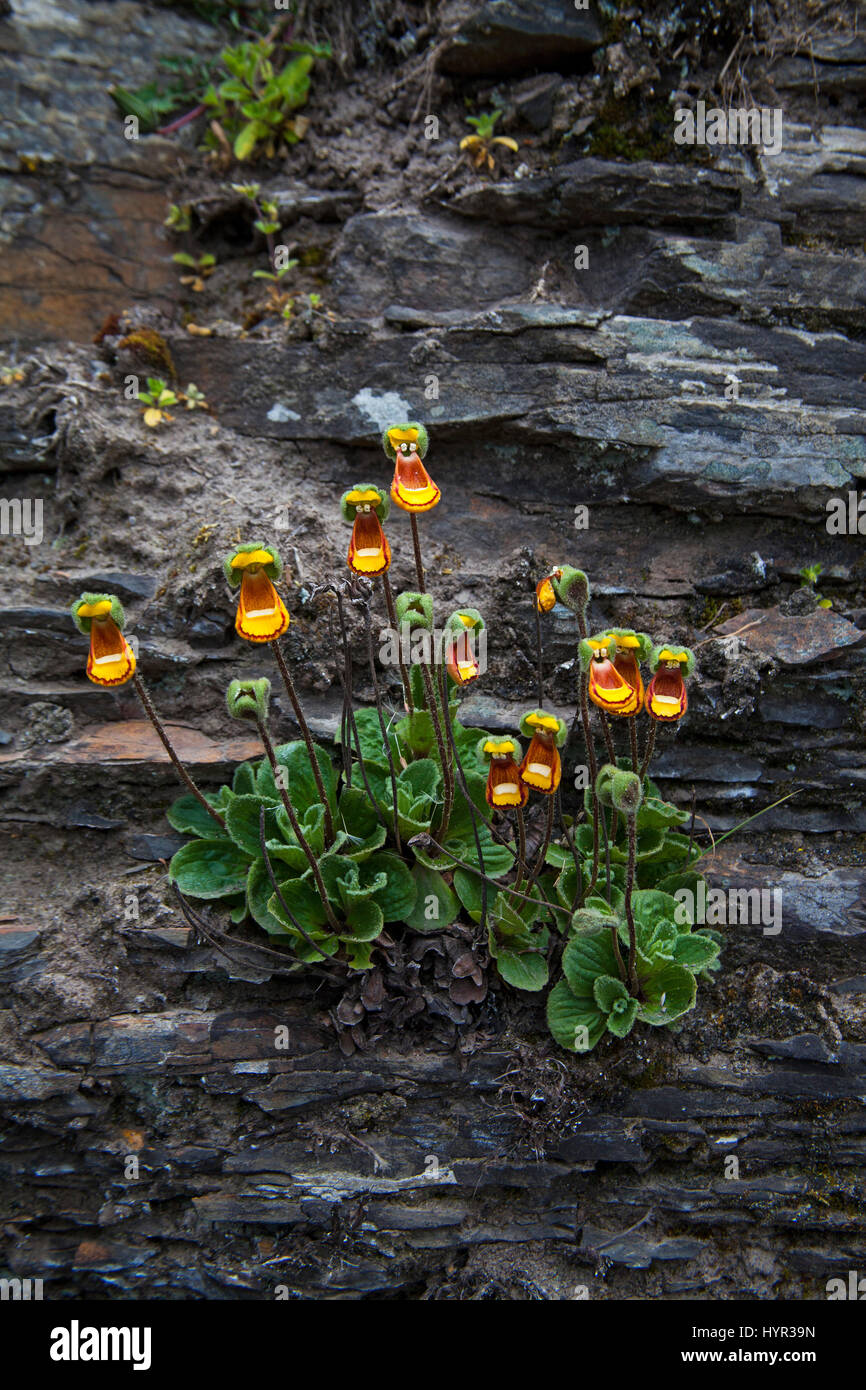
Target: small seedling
{"x": 809, "y": 576}
{"x": 254, "y": 107}
{"x": 201, "y": 266}
{"x": 156, "y": 400}
{"x": 193, "y": 398}
{"x": 480, "y": 146}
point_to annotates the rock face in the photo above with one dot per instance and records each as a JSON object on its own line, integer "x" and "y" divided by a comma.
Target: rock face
{"x": 508, "y": 36}
{"x": 82, "y": 206}
{"x": 651, "y": 366}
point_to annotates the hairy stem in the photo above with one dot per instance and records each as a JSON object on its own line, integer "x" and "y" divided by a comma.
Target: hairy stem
{"x": 548, "y": 831}
{"x": 569, "y": 839}
{"x": 392, "y": 619}
{"x": 473, "y": 815}
{"x": 296, "y": 825}
{"x": 445, "y": 761}
{"x": 522, "y": 866}
{"x": 650, "y": 747}
{"x": 593, "y": 774}
{"x": 608, "y": 738}
{"x": 157, "y": 723}
{"x": 382, "y": 725}
{"x": 538, "y": 653}
{"x": 263, "y": 844}
{"x": 308, "y": 740}
{"x": 448, "y": 778}
{"x": 629, "y": 915}
{"x": 632, "y": 734}
{"x": 416, "y": 546}
{"x": 345, "y": 745}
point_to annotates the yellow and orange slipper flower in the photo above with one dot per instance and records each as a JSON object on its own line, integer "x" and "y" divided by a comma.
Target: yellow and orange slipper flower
{"x": 631, "y": 649}
{"x": 666, "y": 699}
{"x": 111, "y": 660}
{"x": 504, "y": 786}
{"x": 412, "y": 488}
{"x": 465, "y": 647}
{"x": 261, "y": 615}
{"x": 541, "y": 767}
{"x": 364, "y": 508}
{"x": 608, "y": 689}
{"x": 545, "y": 594}
{"x": 565, "y": 585}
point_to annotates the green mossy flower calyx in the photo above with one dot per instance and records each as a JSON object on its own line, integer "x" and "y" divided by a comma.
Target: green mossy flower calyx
{"x": 414, "y": 610}
{"x": 249, "y": 699}
{"x": 364, "y": 495}
{"x": 422, "y": 439}
{"x": 601, "y": 644}
{"x": 670, "y": 652}
{"x": 626, "y": 638}
{"x": 258, "y": 554}
{"x": 110, "y": 603}
{"x": 534, "y": 719}
{"x": 626, "y": 792}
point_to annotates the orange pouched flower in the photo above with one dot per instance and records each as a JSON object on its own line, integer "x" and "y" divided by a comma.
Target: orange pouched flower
{"x": 364, "y": 508}
{"x": 541, "y": 767}
{"x": 631, "y": 649}
{"x": 666, "y": 699}
{"x": 545, "y": 594}
{"x": 608, "y": 688}
{"x": 504, "y": 785}
{"x": 111, "y": 660}
{"x": 412, "y": 488}
{"x": 261, "y": 615}
{"x": 465, "y": 646}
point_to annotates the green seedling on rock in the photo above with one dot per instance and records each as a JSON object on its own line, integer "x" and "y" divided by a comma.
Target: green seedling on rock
{"x": 156, "y": 400}
{"x": 483, "y": 142}
{"x": 255, "y": 104}
{"x": 202, "y": 267}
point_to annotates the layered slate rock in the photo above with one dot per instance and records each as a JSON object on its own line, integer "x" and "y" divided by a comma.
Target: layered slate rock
{"x": 699, "y": 386}
{"x": 81, "y": 207}
{"x": 502, "y": 37}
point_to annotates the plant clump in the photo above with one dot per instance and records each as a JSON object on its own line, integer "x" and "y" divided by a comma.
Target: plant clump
{"x": 420, "y": 821}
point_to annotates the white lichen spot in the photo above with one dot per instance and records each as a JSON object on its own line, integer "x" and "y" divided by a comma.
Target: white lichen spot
{"x": 384, "y": 409}
{"x": 281, "y": 413}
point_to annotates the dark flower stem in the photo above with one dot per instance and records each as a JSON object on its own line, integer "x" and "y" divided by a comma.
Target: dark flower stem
{"x": 629, "y": 915}
{"x": 650, "y": 747}
{"x": 632, "y": 733}
{"x": 345, "y": 745}
{"x": 277, "y": 890}
{"x": 392, "y": 619}
{"x": 377, "y": 694}
{"x": 471, "y": 869}
{"x": 447, "y": 777}
{"x": 593, "y": 774}
{"x": 569, "y": 838}
{"x": 155, "y": 720}
{"x": 350, "y": 725}
{"x": 608, "y": 737}
{"x": 308, "y": 740}
{"x": 296, "y": 826}
{"x": 522, "y": 866}
{"x": 548, "y": 831}
{"x": 607, "y": 839}
{"x": 351, "y": 722}
{"x": 416, "y": 546}
{"x": 473, "y": 815}
{"x": 538, "y": 651}
{"x": 446, "y": 771}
